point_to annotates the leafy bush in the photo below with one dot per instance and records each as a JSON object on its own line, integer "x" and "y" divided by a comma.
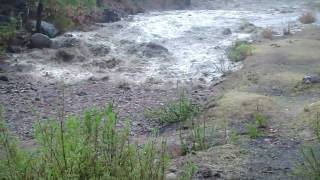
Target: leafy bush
{"x": 239, "y": 51}
{"x": 87, "y": 148}
{"x": 307, "y": 18}
{"x": 267, "y": 33}
{"x": 65, "y": 14}
{"x": 176, "y": 111}
{"x": 7, "y": 32}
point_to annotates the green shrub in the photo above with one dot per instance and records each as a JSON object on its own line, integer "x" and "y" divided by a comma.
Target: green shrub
{"x": 176, "y": 111}
{"x": 239, "y": 51}
{"x": 82, "y": 148}
{"x": 254, "y": 131}
{"x": 7, "y": 32}
{"x": 261, "y": 120}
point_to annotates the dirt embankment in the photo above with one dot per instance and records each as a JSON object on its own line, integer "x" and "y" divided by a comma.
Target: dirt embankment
{"x": 271, "y": 83}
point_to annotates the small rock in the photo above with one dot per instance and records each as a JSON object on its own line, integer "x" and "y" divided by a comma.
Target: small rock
{"x": 311, "y": 79}
{"x": 105, "y": 78}
{"x": 171, "y": 176}
{"x": 40, "y": 41}
{"x": 226, "y": 31}
{"x": 205, "y": 173}
{"x": 4, "y": 78}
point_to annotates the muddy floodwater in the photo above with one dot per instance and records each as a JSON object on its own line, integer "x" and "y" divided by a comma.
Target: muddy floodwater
{"x": 163, "y": 47}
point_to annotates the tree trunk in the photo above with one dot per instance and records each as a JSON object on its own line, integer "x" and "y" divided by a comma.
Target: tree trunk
{"x": 39, "y": 16}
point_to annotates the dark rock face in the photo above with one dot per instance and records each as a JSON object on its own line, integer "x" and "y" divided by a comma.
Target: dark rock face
{"x": 40, "y": 41}
{"x": 110, "y": 16}
{"x": 46, "y": 28}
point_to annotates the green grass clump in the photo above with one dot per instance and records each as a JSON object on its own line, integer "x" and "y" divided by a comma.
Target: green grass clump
{"x": 239, "y": 51}
{"x": 309, "y": 167}
{"x": 261, "y": 120}
{"x": 254, "y": 131}
{"x": 176, "y": 111}
{"x": 90, "y": 147}
{"x": 189, "y": 169}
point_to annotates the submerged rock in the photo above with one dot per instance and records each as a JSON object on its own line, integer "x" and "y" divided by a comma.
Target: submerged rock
{"x": 153, "y": 50}
{"x": 248, "y": 27}
{"x": 40, "y": 41}
{"x": 226, "y": 31}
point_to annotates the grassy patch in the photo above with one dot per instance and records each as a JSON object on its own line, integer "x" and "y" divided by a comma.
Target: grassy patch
{"x": 241, "y": 105}
{"x": 239, "y": 51}
{"x": 90, "y": 147}
{"x": 253, "y": 131}
{"x": 175, "y": 111}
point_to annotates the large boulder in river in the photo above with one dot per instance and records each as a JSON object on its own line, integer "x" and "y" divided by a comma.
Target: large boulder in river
{"x": 39, "y": 40}
{"x": 46, "y": 28}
